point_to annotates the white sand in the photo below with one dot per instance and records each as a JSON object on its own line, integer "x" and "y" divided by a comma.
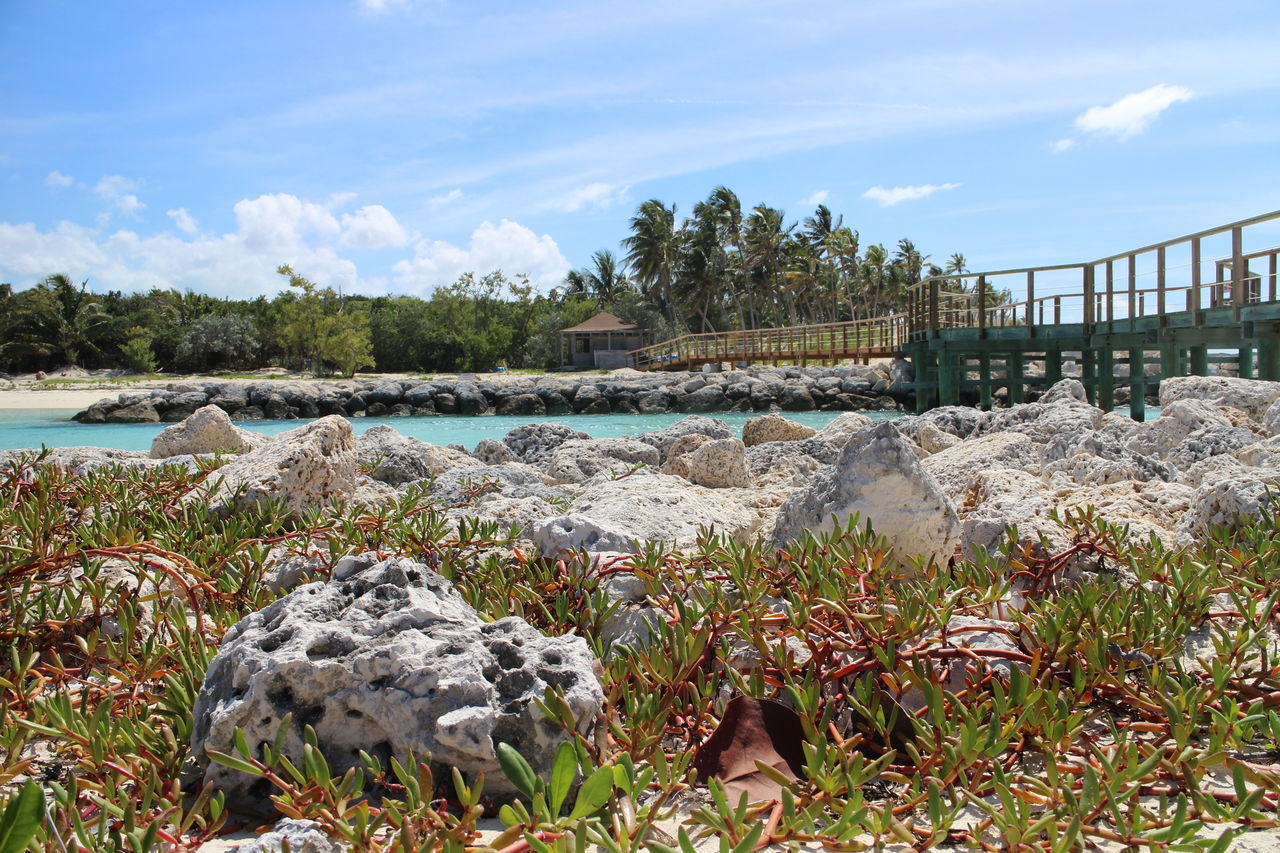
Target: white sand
{"x": 27, "y": 398}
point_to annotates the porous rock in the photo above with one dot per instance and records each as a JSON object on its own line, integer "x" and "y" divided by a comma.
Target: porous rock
{"x": 302, "y": 468}
{"x": 664, "y": 438}
{"x": 765, "y": 457}
{"x": 613, "y": 515}
{"x": 387, "y": 658}
{"x": 207, "y": 430}
{"x": 878, "y": 477}
{"x": 396, "y": 459}
{"x": 842, "y": 427}
{"x": 302, "y": 836}
{"x": 579, "y": 459}
{"x": 718, "y": 464}
{"x": 677, "y": 463}
{"x": 536, "y": 443}
{"x": 490, "y": 451}
{"x": 1252, "y": 396}
{"x": 1221, "y": 501}
{"x": 773, "y": 427}
{"x": 955, "y": 468}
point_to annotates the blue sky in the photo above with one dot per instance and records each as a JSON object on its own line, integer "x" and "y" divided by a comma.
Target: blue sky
{"x": 390, "y": 145}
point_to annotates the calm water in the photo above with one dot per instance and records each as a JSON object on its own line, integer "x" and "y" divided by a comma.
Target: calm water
{"x": 53, "y": 427}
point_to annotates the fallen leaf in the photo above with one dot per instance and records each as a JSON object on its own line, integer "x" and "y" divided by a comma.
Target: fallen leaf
{"x": 752, "y": 730}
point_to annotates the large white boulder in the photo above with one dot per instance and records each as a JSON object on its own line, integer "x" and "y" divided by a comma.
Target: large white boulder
{"x": 1251, "y": 396}
{"x": 773, "y": 427}
{"x": 842, "y": 427}
{"x": 615, "y": 515}
{"x": 206, "y": 430}
{"x": 718, "y": 464}
{"x": 955, "y": 468}
{"x": 303, "y": 468}
{"x": 387, "y": 658}
{"x": 580, "y": 459}
{"x": 700, "y": 424}
{"x": 878, "y": 477}
{"x": 397, "y": 459}
{"x": 1177, "y": 420}
{"x": 1221, "y": 501}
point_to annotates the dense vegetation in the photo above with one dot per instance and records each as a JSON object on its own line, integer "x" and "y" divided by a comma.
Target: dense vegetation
{"x": 720, "y": 268}
{"x": 1088, "y": 724}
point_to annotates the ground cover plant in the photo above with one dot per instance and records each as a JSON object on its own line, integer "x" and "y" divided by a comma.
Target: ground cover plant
{"x": 1084, "y": 717}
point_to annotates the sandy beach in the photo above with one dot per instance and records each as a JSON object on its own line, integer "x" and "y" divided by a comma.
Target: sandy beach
{"x": 26, "y": 399}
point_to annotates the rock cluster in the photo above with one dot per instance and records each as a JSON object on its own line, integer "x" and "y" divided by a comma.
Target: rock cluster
{"x": 751, "y": 389}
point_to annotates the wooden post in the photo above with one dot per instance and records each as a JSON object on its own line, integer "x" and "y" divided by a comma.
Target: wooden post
{"x": 1170, "y": 360}
{"x": 1199, "y": 357}
{"x": 1089, "y": 375}
{"x": 1245, "y": 364}
{"x": 1133, "y": 289}
{"x": 1111, "y": 292}
{"x": 984, "y": 377}
{"x": 982, "y": 306}
{"x": 1193, "y": 295}
{"x": 1271, "y": 296}
{"x": 1052, "y": 365}
{"x": 1237, "y": 271}
{"x": 1057, "y": 309}
{"x": 1137, "y": 385}
{"x": 946, "y": 377}
{"x": 1269, "y": 358}
{"x": 1160, "y": 282}
{"x": 934, "y": 290}
{"x": 1031, "y": 303}
{"x": 1014, "y": 378}
{"x": 1089, "y": 303}
{"x": 1106, "y": 379}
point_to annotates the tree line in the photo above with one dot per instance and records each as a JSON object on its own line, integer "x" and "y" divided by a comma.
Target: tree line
{"x": 719, "y": 268}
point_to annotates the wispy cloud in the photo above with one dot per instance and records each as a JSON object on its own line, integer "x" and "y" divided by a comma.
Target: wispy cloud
{"x": 597, "y": 195}
{"x": 816, "y": 197}
{"x": 118, "y": 190}
{"x": 889, "y": 196}
{"x": 379, "y": 7}
{"x": 1127, "y": 117}
{"x": 58, "y": 181}
{"x": 445, "y": 198}
{"x": 183, "y": 221}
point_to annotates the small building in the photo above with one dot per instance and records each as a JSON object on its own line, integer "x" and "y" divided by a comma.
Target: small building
{"x": 602, "y": 341}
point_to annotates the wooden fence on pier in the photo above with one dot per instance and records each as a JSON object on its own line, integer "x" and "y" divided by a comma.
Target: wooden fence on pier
{"x": 1159, "y": 310}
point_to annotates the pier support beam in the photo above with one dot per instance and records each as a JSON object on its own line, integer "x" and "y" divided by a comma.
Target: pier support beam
{"x": 1052, "y": 366}
{"x": 984, "y": 377}
{"x": 1170, "y": 360}
{"x": 1106, "y": 379}
{"x": 1199, "y": 361}
{"x": 1137, "y": 385}
{"x": 1014, "y": 377}
{"x": 1089, "y": 375}
{"x": 1269, "y": 359}
{"x": 1246, "y": 362}
{"x": 946, "y": 378}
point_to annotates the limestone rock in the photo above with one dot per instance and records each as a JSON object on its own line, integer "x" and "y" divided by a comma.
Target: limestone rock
{"x": 579, "y": 459}
{"x": 493, "y": 452}
{"x": 664, "y": 438}
{"x": 1253, "y": 396}
{"x": 932, "y": 440}
{"x": 1222, "y": 501}
{"x": 143, "y": 412}
{"x": 766, "y": 457}
{"x": 773, "y": 427}
{"x": 1271, "y": 419}
{"x": 396, "y": 459}
{"x": 535, "y": 443}
{"x": 677, "y": 463}
{"x": 613, "y": 515}
{"x": 514, "y": 495}
{"x": 1065, "y": 391}
{"x": 955, "y": 468}
{"x": 388, "y": 658}
{"x": 718, "y": 464}
{"x": 1177, "y": 420}
{"x": 842, "y": 427}
{"x": 1042, "y": 422}
{"x": 878, "y": 477}
{"x": 1098, "y": 457}
{"x": 303, "y": 468}
{"x": 207, "y": 430}
{"x": 302, "y": 836}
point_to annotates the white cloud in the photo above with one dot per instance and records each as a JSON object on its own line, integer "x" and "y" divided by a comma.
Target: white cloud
{"x": 58, "y": 181}
{"x": 816, "y": 197}
{"x": 119, "y": 190}
{"x": 1133, "y": 113}
{"x": 372, "y": 227}
{"x": 378, "y": 7}
{"x": 278, "y": 222}
{"x": 183, "y": 221}
{"x": 895, "y": 195}
{"x": 1060, "y": 145}
{"x": 508, "y": 246}
{"x": 597, "y": 195}
{"x": 445, "y": 198}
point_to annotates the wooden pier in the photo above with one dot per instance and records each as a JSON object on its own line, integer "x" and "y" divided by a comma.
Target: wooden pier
{"x": 1158, "y": 311}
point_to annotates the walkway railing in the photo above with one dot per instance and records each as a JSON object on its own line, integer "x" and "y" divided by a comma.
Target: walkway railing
{"x": 1194, "y": 273}
{"x": 851, "y": 339}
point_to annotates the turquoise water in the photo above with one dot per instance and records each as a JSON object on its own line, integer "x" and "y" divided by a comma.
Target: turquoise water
{"x": 53, "y": 427}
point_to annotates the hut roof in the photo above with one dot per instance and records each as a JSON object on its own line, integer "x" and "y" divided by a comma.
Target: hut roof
{"x": 603, "y": 322}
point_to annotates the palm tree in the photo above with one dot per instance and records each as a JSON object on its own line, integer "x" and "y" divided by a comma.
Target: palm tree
{"x": 652, "y": 252}
{"x": 604, "y": 280}
{"x": 818, "y": 232}
{"x": 766, "y": 243}
{"x": 57, "y": 318}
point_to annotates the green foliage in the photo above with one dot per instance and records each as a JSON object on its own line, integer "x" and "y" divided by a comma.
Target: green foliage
{"x": 318, "y": 333}
{"x": 1095, "y": 727}
{"x": 218, "y": 341}
{"x": 137, "y": 351}
{"x": 21, "y": 819}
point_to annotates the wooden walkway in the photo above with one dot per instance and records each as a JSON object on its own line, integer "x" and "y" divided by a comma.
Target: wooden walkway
{"x": 1154, "y": 312}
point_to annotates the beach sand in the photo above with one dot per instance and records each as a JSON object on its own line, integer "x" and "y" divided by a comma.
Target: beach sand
{"x": 61, "y": 398}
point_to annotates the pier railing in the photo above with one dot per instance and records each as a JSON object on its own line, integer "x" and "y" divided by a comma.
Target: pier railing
{"x": 1195, "y": 273}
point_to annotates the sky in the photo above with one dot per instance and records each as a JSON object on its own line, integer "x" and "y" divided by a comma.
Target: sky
{"x": 388, "y": 146}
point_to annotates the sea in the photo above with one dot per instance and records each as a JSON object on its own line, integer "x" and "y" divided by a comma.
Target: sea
{"x": 33, "y": 428}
